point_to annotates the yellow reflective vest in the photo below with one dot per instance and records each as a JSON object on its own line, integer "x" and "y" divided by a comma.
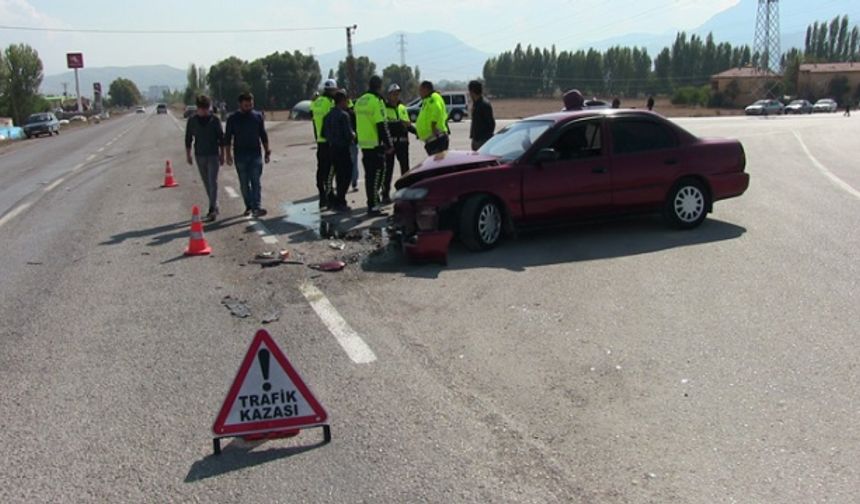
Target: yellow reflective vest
{"x": 319, "y": 110}
{"x": 369, "y": 118}
{"x": 432, "y": 110}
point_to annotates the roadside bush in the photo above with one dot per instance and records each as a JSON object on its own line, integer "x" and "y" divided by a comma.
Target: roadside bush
{"x": 692, "y": 95}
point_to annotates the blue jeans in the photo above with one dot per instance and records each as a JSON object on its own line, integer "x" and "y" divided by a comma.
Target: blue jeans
{"x": 249, "y": 167}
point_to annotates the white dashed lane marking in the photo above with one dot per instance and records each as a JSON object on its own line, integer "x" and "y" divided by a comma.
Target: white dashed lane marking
{"x": 349, "y": 340}
{"x": 231, "y": 192}
{"x": 14, "y": 213}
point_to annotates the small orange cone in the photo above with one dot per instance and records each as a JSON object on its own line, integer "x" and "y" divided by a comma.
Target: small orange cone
{"x": 169, "y": 181}
{"x": 197, "y": 245}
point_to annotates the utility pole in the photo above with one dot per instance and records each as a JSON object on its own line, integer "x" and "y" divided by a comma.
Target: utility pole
{"x": 767, "y": 45}
{"x": 65, "y": 90}
{"x": 401, "y": 43}
{"x": 350, "y": 59}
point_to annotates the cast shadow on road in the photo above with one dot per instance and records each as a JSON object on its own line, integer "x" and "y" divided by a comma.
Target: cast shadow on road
{"x": 160, "y": 235}
{"x": 583, "y": 242}
{"x": 240, "y": 455}
{"x": 303, "y": 222}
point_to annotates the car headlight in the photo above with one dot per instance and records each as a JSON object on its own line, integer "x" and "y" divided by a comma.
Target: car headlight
{"x": 411, "y": 194}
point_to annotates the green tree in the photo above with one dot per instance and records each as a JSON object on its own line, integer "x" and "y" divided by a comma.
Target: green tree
{"x": 364, "y": 70}
{"x": 404, "y": 77}
{"x": 292, "y": 77}
{"x": 22, "y": 76}
{"x": 124, "y": 93}
{"x": 226, "y": 81}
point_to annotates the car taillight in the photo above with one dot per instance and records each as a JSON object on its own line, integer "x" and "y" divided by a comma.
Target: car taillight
{"x": 427, "y": 218}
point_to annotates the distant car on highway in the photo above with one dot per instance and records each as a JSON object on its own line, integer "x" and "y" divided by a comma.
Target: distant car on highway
{"x": 140, "y": 110}
{"x": 799, "y": 107}
{"x": 44, "y": 123}
{"x": 765, "y": 107}
{"x": 161, "y": 109}
{"x": 456, "y": 102}
{"x": 190, "y": 110}
{"x": 561, "y": 167}
{"x": 825, "y": 105}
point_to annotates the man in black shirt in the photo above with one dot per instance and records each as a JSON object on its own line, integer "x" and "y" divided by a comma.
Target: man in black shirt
{"x": 246, "y": 130}
{"x": 483, "y": 122}
{"x": 338, "y": 132}
{"x": 204, "y": 130}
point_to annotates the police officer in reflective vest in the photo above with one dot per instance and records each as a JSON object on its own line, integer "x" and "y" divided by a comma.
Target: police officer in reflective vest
{"x": 374, "y": 140}
{"x": 432, "y": 123}
{"x": 399, "y": 126}
{"x": 320, "y": 108}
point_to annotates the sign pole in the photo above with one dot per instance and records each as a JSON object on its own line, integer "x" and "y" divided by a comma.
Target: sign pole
{"x": 78, "y": 91}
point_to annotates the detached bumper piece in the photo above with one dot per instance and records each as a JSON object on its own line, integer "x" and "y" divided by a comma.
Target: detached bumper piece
{"x": 428, "y": 247}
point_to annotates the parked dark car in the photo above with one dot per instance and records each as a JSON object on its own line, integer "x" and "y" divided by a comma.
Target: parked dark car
{"x": 44, "y": 123}
{"x": 561, "y": 167}
{"x": 161, "y": 109}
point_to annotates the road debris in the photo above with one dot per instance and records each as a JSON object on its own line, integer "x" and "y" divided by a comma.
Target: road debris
{"x": 329, "y": 266}
{"x": 237, "y": 308}
{"x": 271, "y": 259}
{"x": 272, "y": 316}
{"x": 337, "y": 245}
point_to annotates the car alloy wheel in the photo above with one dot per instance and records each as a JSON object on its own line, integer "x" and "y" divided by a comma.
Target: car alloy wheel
{"x": 489, "y": 223}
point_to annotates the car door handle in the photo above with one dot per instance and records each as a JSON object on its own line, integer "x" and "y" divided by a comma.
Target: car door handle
{"x": 598, "y": 169}
{"x": 671, "y": 161}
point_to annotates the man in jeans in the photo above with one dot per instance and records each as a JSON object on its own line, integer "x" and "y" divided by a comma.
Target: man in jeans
{"x": 246, "y": 130}
{"x": 204, "y": 130}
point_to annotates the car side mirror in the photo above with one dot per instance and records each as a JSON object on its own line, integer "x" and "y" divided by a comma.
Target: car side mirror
{"x": 547, "y": 155}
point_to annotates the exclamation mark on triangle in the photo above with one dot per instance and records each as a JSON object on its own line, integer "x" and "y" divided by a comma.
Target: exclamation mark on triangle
{"x": 263, "y": 357}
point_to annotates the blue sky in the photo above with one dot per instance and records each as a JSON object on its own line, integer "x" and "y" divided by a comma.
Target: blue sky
{"x": 488, "y": 25}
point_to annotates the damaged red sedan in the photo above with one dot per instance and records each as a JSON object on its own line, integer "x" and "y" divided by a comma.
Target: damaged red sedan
{"x": 562, "y": 167}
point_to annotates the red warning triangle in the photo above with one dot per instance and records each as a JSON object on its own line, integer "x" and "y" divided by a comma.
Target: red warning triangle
{"x": 267, "y": 395}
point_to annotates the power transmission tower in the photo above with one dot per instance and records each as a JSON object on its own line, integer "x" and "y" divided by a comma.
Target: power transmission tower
{"x": 401, "y": 43}
{"x": 767, "y": 37}
{"x": 350, "y": 59}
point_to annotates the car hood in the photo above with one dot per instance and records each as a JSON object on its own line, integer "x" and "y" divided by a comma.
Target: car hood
{"x": 444, "y": 163}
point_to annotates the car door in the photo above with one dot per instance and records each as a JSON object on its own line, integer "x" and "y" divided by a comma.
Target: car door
{"x": 578, "y": 183}
{"x": 646, "y": 158}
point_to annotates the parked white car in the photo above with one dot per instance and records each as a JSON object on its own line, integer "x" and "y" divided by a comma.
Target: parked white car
{"x": 825, "y": 105}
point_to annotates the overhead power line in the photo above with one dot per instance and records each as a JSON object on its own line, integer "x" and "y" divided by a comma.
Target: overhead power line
{"x": 167, "y": 32}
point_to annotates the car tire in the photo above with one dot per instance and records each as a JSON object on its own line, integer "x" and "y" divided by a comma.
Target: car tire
{"x": 457, "y": 116}
{"x": 687, "y": 205}
{"x": 481, "y": 223}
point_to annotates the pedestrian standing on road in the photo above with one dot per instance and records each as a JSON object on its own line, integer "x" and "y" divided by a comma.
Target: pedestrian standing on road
{"x": 338, "y": 131}
{"x": 320, "y": 108}
{"x": 616, "y": 103}
{"x": 374, "y": 139}
{"x": 432, "y": 123}
{"x": 353, "y": 149}
{"x": 483, "y": 122}
{"x": 650, "y": 103}
{"x": 573, "y": 100}
{"x": 204, "y": 130}
{"x": 847, "y": 108}
{"x": 246, "y": 131}
{"x": 399, "y": 126}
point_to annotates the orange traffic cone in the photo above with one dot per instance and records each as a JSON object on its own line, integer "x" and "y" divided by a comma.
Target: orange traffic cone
{"x": 197, "y": 245}
{"x": 169, "y": 181}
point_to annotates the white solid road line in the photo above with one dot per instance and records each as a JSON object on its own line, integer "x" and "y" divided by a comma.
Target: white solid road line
{"x": 54, "y": 184}
{"x": 14, "y": 213}
{"x": 264, "y": 233}
{"x": 231, "y": 192}
{"x": 90, "y": 157}
{"x": 827, "y": 173}
{"x": 349, "y": 340}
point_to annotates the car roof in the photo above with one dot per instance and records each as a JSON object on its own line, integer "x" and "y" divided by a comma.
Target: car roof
{"x": 565, "y": 116}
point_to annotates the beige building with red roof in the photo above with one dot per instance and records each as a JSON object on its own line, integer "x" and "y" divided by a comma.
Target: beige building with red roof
{"x": 814, "y": 79}
{"x": 743, "y": 85}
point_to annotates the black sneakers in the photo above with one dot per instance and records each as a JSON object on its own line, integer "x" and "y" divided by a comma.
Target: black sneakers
{"x": 260, "y": 212}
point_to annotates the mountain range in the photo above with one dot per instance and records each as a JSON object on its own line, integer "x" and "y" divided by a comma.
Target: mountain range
{"x": 443, "y": 56}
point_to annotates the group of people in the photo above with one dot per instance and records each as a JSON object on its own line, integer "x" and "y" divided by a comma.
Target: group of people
{"x": 378, "y": 126}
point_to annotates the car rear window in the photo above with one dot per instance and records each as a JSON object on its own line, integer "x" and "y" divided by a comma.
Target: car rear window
{"x": 458, "y": 99}
{"x": 640, "y": 135}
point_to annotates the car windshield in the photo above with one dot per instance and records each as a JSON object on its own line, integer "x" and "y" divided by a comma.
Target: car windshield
{"x": 796, "y": 102}
{"x": 761, "y": 102}
{"x": 513, "y": 141}
{"x": 38, "y": 118}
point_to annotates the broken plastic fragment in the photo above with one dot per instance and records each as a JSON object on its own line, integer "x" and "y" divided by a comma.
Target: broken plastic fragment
{"x": 328, "y": 266}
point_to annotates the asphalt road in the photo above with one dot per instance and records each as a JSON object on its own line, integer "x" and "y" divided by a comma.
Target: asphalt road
{"x": 613, "y": 362}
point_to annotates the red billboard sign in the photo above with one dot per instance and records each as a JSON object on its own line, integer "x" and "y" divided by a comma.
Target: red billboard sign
{"x": 75, "y": 60}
